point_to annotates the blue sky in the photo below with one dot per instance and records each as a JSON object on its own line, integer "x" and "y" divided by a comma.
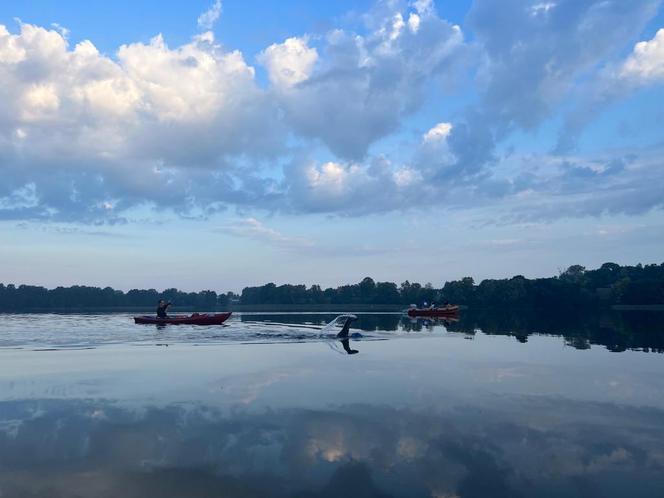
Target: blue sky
{"x": 223, "y": 144}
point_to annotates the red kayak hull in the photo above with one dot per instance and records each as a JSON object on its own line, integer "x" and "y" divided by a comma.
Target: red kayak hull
{"x": 195, "y": 319}
{"x": 434, "y": 311}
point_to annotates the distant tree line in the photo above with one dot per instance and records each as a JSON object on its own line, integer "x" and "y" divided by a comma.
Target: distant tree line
{"x": 609, "y": 284}
{"x": 26, "y": 297}
{"x": 365, "y": 292}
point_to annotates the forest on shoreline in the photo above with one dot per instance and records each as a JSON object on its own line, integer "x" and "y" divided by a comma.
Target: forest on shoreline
{"x": 610, "y": 284}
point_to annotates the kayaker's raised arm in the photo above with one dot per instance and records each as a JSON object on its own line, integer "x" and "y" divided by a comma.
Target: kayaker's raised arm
{"x": 162, "y": 307}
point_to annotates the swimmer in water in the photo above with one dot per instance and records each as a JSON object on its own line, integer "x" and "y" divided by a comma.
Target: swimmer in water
{"x": 344, "y": 330}
{"x": 345, "y": 343}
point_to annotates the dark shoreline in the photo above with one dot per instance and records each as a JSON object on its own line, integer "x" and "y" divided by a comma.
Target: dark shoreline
{"x": 316, "y": 308}
{"x": 266, "y": 308}
{"x": 638, "y": 307}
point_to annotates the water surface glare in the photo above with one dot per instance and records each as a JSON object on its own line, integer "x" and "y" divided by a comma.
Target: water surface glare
{"x": 269, "y": 405}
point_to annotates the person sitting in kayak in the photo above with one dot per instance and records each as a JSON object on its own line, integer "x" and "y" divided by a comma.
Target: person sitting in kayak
{"x": 161, "y": 308}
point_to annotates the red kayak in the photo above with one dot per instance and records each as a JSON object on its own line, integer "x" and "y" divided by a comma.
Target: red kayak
{"x": 195, "y": 319}
{"x": 447, "y": 311}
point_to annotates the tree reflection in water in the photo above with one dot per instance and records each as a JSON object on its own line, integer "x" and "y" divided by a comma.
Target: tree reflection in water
{"x": 617, "y": 331}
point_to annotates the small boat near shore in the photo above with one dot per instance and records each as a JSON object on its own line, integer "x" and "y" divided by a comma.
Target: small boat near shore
{"x": 195, "y": 319}
{"x": 444, "y": 311}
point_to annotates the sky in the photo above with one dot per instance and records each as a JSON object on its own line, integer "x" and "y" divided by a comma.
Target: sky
{"x": 219, "y": 144}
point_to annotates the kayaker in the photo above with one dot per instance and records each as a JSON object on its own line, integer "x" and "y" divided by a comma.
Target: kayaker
{"x": 161, "y": 308}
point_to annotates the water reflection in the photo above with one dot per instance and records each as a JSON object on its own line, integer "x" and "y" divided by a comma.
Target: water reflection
{"x": 425, "y": 414}
{"x": 617, "y": 331}
{"x": 346, "y": 345}
{"x": 94, "y": 448}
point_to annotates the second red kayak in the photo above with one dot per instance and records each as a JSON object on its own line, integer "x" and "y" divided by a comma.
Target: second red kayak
{"x": 195, "y": 319}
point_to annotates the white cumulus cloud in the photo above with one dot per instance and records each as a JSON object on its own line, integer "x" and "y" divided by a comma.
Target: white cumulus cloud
{"x": 646, "y": 63}
{"x": 87, "y": 136}
{"x": 290, "y": 62}
{"x": 357, "y": 88}
{"x": 438, "y": 132}
{"x": 83, "y": 128}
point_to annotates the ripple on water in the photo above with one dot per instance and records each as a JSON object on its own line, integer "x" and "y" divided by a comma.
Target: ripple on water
{"x": 48, "y": 332}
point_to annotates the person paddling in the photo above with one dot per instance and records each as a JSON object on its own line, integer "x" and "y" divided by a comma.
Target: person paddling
{"x": 161, "y": 308}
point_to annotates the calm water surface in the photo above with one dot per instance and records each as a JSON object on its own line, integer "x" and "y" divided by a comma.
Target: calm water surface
{"x": 274, "y": 405}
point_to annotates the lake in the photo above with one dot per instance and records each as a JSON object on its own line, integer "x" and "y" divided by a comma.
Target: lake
{"x": 493, "y": 405}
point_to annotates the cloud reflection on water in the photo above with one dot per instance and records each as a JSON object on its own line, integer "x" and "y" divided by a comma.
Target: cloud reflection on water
{"x": 521, "y": 446}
